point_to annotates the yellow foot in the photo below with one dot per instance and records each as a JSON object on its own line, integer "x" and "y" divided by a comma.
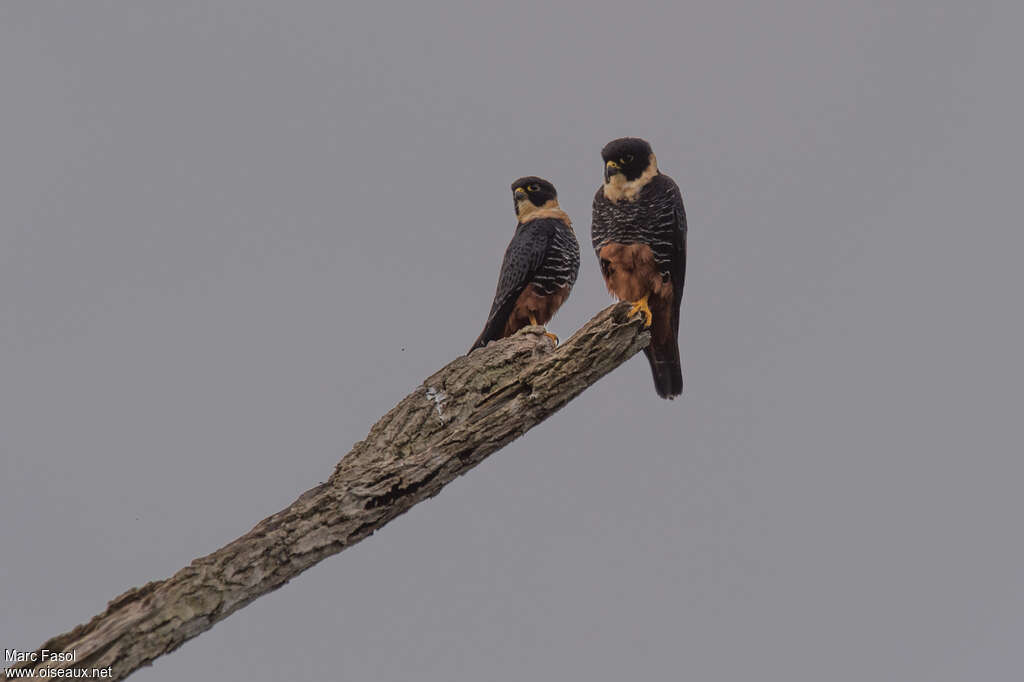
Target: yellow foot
{"x": 554, "y": 339}
{"x": 642, "y": 308}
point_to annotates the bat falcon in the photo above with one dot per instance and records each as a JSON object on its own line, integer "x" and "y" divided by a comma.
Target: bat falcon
{"x": 540, "y": 264}
{"x": 639, "y": 235}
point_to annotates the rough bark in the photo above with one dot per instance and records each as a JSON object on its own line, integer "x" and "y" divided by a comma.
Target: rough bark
{"x": 458, "y": 416}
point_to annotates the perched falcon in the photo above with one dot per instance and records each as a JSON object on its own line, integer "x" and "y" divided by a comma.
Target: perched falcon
{"x": 639, "y": 235}
{"x": 540, "y": 265}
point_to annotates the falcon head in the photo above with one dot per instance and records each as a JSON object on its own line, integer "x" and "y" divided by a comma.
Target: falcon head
{"x": 532, "y": 193}
{"x": 629, "y": 157}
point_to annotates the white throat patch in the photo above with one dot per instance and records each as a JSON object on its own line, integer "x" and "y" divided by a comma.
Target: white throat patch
{"x": 618, "y": 187}
{"x": 527, "y": 211}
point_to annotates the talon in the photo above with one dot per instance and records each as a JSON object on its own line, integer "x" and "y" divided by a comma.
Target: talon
{"x": 644, "y": 309}
{"x": 554, "y": 339}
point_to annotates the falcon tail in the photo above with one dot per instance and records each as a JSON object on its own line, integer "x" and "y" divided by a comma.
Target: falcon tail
{"x": 486, "y": 336}
{"x": 666, "y": 368}
{"x": 494, "y": 329}
{"x": 663, "y": 352}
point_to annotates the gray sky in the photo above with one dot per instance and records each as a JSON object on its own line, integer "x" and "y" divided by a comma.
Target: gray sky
{"x": 234, "y": 234}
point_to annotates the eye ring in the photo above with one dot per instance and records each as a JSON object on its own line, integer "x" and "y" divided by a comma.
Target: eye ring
{"x": 629, "y": 158}
{"x": 533, "y": 188}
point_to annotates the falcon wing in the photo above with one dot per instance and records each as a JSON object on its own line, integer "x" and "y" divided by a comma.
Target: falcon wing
{"x": 524, "y": 255}
{"x": 679, "y": 254}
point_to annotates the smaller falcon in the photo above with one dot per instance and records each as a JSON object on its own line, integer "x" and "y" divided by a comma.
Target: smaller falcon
{"x": 540, "y": 264}
{"x": 639, "y": 235}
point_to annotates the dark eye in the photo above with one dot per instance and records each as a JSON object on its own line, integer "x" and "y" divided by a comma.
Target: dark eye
{"x": 629, "y": 158}
{"x": 534, "y": 188}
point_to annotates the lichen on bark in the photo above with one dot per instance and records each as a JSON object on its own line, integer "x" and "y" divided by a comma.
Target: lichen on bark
{"x": 447, "y": 425}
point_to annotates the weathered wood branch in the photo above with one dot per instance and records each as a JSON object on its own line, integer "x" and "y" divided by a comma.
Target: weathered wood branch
{"x": 451, "y": 422}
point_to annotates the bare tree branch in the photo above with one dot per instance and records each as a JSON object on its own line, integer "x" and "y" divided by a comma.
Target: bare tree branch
{"x": 451, "y": 422}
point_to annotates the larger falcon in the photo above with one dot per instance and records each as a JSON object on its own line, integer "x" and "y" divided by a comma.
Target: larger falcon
{"x": 639, "y": 235}
{"x": 540, "y": 265}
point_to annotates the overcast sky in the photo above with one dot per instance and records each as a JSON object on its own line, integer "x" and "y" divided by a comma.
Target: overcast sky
{"x": 234, "y": 234}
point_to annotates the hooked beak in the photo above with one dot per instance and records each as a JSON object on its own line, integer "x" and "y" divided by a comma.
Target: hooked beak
{"x": 610, "y": 169}
{"x": 518, "y": 197}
